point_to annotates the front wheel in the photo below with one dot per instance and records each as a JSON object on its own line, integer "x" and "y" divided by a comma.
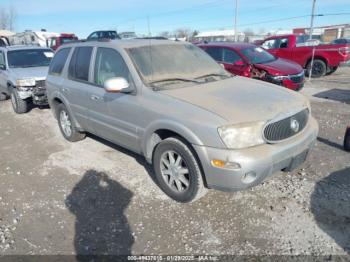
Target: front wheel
{"x": 20, "y": 106}
{"x": 177, "y": 171}
{"x": 67, "y": 127}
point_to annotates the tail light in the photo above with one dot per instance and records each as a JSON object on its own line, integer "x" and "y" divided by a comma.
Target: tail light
{"x": 344, "y": 51}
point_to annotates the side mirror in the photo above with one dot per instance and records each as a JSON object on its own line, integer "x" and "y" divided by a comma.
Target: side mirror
{"x": 239, "y": 63}
{"x": 116, "y": 85}
{"x": 2, "y": 67}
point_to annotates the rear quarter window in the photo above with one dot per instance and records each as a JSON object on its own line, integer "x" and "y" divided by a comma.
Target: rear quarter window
{"x": 58, "y": 62}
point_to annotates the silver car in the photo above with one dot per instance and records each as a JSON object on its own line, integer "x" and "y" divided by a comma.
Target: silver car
{"x": 199, "y": 126}
{"x": 23, "y": 70}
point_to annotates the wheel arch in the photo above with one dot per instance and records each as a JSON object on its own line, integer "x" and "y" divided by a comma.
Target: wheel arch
{"x": 55, "y": 101}
{"x": 324, "y": 59}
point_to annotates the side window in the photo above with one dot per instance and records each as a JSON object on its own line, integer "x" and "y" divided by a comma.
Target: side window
{"x": 215, "y": 53}
{"x": 59, "y": 61}
{"x": 2, "y": 58}
{"x": 93, "y": 35}
{"x": 80, "y": 63}
{"x": 231, "y": 56}
{"x": 53, "y": 42}
{"x": 283, "y": 43}
{"x": 269, "y": 44}
{"x": 108, "y": 64}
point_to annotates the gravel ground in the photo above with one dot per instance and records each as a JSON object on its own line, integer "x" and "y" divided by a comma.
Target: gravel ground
{"x": 95, "y": 198}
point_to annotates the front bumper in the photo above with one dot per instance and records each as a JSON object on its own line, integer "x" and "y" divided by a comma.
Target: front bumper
{"x": 37, "y": 94}
{"x": 263, "y": 160}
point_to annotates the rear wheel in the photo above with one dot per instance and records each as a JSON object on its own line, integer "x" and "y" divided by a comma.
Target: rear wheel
{"x": 67, "y": 126}
{"x": 20, "y": 106}
{"x": 177, "y": 171}
{"x": 319, "y": 68}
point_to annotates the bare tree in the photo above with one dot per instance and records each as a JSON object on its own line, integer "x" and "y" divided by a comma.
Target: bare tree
{"x": 7, "y": 18}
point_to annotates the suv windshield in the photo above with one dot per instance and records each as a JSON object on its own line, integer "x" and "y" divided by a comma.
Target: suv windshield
{"x": 173, "y": 63}
{"x": 257, "y": 55}
{"x": 29, "y": 58}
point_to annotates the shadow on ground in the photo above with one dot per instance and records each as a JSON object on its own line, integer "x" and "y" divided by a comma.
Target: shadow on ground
{"x": 330, "y": 205}
{"x": 330, "y": 143}
{"x": 101, "y": 228}
{"x": 335, "y": 94}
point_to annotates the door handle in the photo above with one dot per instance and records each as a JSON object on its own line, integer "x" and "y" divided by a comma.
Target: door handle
{"x": 95, "y": 98}
{"x": 64, "y": 89}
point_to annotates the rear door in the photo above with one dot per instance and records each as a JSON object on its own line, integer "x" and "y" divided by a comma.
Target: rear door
{"x": 76, "y": 87}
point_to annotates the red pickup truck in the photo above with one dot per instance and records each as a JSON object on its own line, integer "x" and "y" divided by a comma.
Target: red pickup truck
{"x": 56, "y": 42}
{"x": 327, "y": 58}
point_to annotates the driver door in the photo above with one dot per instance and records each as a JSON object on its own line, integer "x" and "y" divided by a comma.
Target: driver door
{"x": 118, "y": 122}
{"x": 233, "y": 62}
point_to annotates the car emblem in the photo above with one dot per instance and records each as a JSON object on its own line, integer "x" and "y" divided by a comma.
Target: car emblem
{"x": 294, "y": 125}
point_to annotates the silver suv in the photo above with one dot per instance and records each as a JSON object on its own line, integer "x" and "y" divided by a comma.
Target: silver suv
{"x": 23, "y": 70}
{"x": 199, "y": 126}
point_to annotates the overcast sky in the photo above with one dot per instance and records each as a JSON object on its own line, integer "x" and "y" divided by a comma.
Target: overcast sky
{"x": 85, "y": 16}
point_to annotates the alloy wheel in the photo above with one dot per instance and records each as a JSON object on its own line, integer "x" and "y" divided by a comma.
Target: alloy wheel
{"x": 174, "y": 171}
{"x": 65, "y": 123}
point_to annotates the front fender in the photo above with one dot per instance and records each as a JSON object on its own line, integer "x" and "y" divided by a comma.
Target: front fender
{"x": 151, "y": 139}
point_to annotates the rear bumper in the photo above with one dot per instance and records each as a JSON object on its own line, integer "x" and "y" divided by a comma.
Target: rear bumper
{"x": 256, "y": 163}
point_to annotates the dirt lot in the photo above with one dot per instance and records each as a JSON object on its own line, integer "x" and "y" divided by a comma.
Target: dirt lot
{"x": 95, "y": 198}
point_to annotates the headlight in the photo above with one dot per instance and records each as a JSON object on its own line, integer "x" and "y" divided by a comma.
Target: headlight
{"x": 243, "y": 135}
{"x": 25, "y": 82}
{"x": 279, "y": 78}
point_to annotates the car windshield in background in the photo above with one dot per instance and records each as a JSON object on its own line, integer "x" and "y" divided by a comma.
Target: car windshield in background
{"x": 29, "y": 58}
{"x": 174, "y": 63}
{"x": 65, "y": 40}
{"x": 257, "y": 55}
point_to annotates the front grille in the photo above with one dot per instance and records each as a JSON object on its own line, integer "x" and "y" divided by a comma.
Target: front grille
{"x": 287, "y": 127}
{"x": 297, "y": 78}
{"x": 40, "y": 83}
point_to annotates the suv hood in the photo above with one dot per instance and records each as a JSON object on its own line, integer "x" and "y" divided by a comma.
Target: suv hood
{"x": 38, "y": 73}
{"x": 242, "y": 100}
{"x": 280, "y": 67}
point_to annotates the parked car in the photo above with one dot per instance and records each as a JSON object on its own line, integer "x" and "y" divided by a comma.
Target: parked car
{"x": 251, "y": 61}
{"x": 56, "y": 42}
{"x": 23, "y": 71}
{"x": 199, "y": 126}
{"x": 103, "y": 35}
{"x": 327, "y": 57}
{"x": 341, "y": 41}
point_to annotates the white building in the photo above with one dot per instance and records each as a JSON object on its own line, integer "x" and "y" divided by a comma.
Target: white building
{"x": 219, "y": 35}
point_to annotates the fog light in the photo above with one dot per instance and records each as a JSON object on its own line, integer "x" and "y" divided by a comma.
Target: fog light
{"x": 249, "y": 177}
{"x": 223, "y": 164}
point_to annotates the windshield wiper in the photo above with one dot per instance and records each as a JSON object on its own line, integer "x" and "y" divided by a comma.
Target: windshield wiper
{"x": 175, "y": 79}
{"x": 209, "y": 75}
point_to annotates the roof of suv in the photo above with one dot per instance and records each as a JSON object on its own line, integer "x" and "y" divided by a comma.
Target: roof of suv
{"x": 124, "y": 43}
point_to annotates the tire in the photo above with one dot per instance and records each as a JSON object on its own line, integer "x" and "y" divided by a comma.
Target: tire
{"x": 3, "y": 97}
{"x": 332, "y": 70}
{"x": 319, "y": 68}
{"x": 67, "y": 126}
{"x": 19, "y": 105}
{"x": 183, "y": 187}
{"x": 347, "y": 140}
